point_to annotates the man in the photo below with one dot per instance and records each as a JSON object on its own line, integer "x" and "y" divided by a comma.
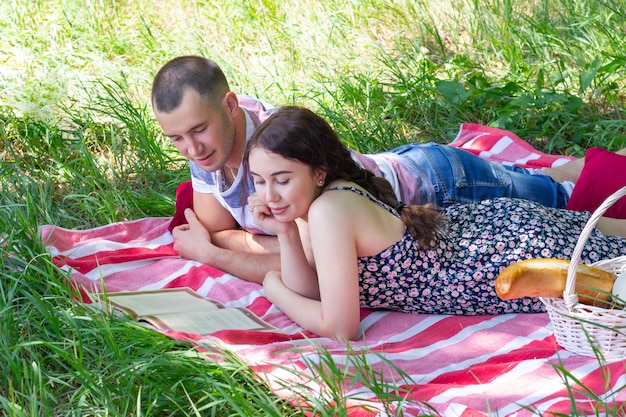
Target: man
{"x": 209, "y": 125}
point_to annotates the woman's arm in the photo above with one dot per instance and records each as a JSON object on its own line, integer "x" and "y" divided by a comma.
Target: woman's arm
{"x": 306, "y": 312}
{"x": 334, "y": 226}
{"x": 297, "y": 273}
{"x": 337, "y": 314}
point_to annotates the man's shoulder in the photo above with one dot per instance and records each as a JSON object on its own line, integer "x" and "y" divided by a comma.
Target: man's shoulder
{"x": 258, "y": 110}
{"x": 201, "y": 176}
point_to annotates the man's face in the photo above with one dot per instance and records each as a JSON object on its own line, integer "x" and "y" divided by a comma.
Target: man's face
{"x": 202, "y": 133}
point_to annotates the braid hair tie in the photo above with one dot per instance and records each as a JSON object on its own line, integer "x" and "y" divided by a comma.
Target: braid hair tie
{"x": 399, "y": 207}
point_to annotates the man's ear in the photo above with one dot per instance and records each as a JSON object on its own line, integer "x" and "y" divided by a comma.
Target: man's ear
{"x": 230, "y": 103}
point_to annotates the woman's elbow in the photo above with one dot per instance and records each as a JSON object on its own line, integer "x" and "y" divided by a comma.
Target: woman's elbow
{"x": 350, "y": 332}
{"x": 342, "y": 323}
{"x": 351, "y": 337}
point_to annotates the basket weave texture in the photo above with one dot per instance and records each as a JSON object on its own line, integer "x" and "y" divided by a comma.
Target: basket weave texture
{"x": 584, "y": 329}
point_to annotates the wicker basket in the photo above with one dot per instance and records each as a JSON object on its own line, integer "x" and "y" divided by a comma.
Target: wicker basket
{"x": 585, "y": 329}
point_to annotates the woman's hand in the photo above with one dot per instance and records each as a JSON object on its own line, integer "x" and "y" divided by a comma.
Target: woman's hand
{"x": 263, "y": 216}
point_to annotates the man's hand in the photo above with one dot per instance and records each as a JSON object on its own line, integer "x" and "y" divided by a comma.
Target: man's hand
{"x": 192, "y": 239}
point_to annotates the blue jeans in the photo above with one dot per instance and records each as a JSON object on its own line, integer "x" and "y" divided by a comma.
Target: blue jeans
{"x": 459, "y": 176}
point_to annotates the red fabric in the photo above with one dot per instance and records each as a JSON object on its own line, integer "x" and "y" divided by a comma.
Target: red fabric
{"x": 184, "y": 199}
{"x": 461, "y": 366}
{"x": 603, "y": 174}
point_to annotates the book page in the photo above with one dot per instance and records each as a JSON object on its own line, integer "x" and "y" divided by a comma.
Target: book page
{"x": 177, "y": 300}
{"x": 207, "y": 322}
{"x": 183, "y": 310}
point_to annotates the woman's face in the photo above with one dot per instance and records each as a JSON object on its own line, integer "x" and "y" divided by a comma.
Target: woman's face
{"x": 287, "y": 187}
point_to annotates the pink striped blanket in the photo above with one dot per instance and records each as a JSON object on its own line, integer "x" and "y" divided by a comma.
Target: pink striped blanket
{"x": 508, "y": 365}
{"x": 502, "y": 146}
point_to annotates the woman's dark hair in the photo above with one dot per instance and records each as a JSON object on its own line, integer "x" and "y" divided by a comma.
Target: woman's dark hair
{"x": 299, "y": 134}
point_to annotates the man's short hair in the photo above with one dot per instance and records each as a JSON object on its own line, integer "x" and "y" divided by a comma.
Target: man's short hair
{"x": 195, "y": 72}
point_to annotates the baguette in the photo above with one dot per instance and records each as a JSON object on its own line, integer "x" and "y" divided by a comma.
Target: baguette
{"x": 547, "y": 278}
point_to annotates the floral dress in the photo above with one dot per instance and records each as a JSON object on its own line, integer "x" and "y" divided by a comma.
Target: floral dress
{"x": 457, "y": 275}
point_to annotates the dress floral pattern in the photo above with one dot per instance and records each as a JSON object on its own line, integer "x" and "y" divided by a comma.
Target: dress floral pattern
{"x": 457, "y": 275}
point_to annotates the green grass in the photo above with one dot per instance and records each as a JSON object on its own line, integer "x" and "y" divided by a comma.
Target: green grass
{"x": 80, "y": 148}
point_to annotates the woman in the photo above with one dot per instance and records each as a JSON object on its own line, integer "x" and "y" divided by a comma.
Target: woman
{"x": 346, "y": 242}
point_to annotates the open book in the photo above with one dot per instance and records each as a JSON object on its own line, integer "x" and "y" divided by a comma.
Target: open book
{"x": 182, "y": 310}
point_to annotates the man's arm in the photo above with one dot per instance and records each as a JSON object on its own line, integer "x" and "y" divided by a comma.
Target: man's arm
{"x": 247, "y": 266}
{"x": 242, "y": 241}
{"x": 193, "y": 241}
{"x": 211, "y": 214}
{"x": 210, "y": 237}
{"x": 224, "y": 229}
